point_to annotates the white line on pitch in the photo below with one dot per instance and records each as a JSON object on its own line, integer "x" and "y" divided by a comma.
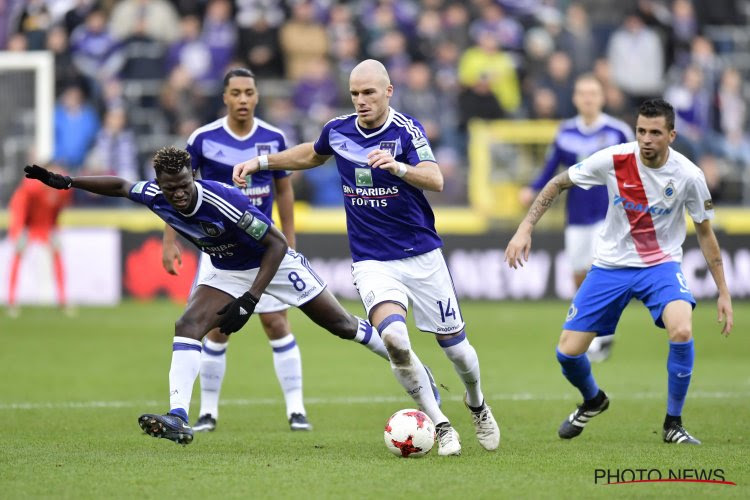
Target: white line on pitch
{"x": 55, "y": 405}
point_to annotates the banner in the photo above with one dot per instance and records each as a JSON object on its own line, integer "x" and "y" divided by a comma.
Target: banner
{"x": 476, "y": 264}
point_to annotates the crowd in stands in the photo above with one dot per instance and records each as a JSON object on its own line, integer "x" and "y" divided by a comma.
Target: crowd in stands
{"x": 132, "y": 73}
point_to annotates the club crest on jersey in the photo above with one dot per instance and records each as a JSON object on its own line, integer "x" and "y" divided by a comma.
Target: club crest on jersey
{"x": 389, "y": 146}
{"x": 572, "y": 311}
{"x": 211, "y": 229}
{"x": 669, "y": 190}
{"x": 263, "y": 149}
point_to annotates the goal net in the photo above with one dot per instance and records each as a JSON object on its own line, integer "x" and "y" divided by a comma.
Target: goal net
{"x": 27, "y": 83}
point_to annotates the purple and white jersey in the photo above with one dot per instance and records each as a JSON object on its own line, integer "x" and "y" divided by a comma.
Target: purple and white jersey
{"x": 214, "y": 150}
{"x": 224, "y": 223}
{"x": 386, "y": 217}
{"x": 574, "y": 142}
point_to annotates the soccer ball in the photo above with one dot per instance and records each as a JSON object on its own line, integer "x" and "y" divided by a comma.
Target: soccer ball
{"x": 409, "y": 433}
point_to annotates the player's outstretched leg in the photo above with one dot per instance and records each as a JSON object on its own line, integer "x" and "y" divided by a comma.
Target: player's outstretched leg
{"x": 577, "y": 369}
{"x": 466, "y": 363}
{"x": 679, "y": 368}
{"x": 410, "y": 372}
{"x": 287, "y": 363}
{"x": 212, "y": 370}
{"x": 328, "y": 313}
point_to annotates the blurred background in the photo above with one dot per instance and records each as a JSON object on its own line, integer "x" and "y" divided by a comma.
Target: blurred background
{"x": 98, "y": 86}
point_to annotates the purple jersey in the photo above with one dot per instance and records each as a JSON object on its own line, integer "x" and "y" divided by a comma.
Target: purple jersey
{"x": 386, "y": 217}
{"x": 214, "y": 150}
{"x": 224, "y": 223}
{"x": 574, "y": 143}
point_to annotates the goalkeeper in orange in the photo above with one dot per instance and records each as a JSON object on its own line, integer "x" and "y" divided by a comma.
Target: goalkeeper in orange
{"x": 34, "y": 209}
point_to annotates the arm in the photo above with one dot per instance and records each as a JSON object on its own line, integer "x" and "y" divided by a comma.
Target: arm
{"x": 520, "y": 244}
{"x": 712, "y": 253}
{"x": 285, "y": 204}
{"x": 170, "y": 251}
{"x": 425, "y": 175}
{"x": 235, "y": 314}
{"x": 300, "y": 157}
{"x": 103, "y": 185}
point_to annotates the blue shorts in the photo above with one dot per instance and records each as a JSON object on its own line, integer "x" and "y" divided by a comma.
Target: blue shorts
{"x": 604, "y": 293}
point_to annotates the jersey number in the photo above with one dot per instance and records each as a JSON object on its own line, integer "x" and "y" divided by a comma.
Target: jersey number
{"x": 297, "y": 282}
{"x": 448, "y": 311}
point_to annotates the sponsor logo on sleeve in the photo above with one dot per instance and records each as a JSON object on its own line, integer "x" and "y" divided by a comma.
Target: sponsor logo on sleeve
{"x": 419, "y": 142}
{"x": 708, "y": 204}
{"x": 138, "y": 187}
{"x": 425, "y": 153}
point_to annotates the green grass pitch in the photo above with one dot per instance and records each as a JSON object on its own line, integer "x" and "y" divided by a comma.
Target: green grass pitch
{"x": 71, "y": 390}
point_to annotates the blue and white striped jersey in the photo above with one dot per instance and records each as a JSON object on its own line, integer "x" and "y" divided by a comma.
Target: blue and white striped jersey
{"x": 386, "y": 217}
{"x": 224, "y": 223}
{"x": 575, "y": 142}
{"x": 214, "y": 150}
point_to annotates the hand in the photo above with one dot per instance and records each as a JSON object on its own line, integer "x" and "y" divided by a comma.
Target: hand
{"x": 170, "y": 253}
{"x": 724, "y": 306}
{"x": 526, "y": 196}
{"x": 384, "y": 160}
{"x": 241, "y": 170}
{"x": 236, "y": 313}
{"x": 43, "y": 175}
{"x": 519, "y": 246}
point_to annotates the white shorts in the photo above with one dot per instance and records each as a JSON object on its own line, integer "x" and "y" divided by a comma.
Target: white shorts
{"x": 423, "y": 279}
{"x": 294, "y": 284}
{"x": 579, "y": 245}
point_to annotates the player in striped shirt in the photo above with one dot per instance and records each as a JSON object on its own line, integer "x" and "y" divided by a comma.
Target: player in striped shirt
{"x": 637, "y": 255}
{"x": 578, "y": 138}
{"x": 385, "y": 162}
{"x": 214, "y": 149}
{"x": 248, "y": 257}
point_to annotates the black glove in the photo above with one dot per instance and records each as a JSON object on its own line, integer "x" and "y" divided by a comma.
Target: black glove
{"x": 56, "y": 181}
{"x": 236, "y": 313}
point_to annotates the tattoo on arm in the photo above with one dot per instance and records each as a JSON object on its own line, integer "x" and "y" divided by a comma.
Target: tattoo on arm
{"x": 547, "y": 197}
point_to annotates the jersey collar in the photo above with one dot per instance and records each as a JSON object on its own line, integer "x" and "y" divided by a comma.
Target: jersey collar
{"x": 379, "y": 130}
{"x": 225, "y": 125}
{"x": 199, "y": 193}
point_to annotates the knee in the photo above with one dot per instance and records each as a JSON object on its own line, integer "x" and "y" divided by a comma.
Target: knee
{"x": 574, "y": 344}
{"x": 189, "y": 328}
{"x": 681, "y": 333}
{"x": 275, "y": 325}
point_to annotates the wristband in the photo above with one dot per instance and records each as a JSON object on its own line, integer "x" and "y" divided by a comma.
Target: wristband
{"x": 401, "y": 170}
{"x": 263, "y": 162}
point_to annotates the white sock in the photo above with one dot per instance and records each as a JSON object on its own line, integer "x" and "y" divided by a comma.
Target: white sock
{"x": 465, "y": 361}
{"x": 213, "y": 367}
{"x": 368, "y": 336}
{"x": 287, "y": 361}
{"x": 186, "y": 356}
{"x": 411, "y": 374}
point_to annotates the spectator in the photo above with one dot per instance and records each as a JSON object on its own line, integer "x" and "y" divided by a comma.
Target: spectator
{"x": 260, "y": 48}
{"x": 684, "y": 29}
{"x": 577, "y": 39}
{"x": 559, "y": 80}
{"x": 631, "y": 45}
{"x": 34, "y": 22}
{"x": 66, "y": 73}
{"x": 76, "y": 125}
{"x": 484, "y": 60}
{"x": 691, "y": 104}
{"x": 506, "y": 30}
{"x": 91, "y": 44}
{"x": 139, "y": 57}
{"x": 420, "y": 98}
{"x": 115, "y": 151}
{"x": 190, "y": 51}
{"x": 732, "y": 111}
{"x": 220, "y": 34}
{"x": 302, "y": 38}
{"x": 315, "y": 94}
{"x": 478, "y": 101}
{"x": 156, "y": 19}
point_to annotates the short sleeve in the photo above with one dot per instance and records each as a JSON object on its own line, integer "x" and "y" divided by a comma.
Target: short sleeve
{"x": 416, "y": 146}
{"x": 322, "y": 146}
{"x": 143, "y": 192}
{"x": 593, "y": 170}
{"x": 699, "y": 204}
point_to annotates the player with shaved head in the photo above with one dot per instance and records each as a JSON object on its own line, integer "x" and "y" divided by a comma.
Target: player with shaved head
{"x": 385, "y": 162}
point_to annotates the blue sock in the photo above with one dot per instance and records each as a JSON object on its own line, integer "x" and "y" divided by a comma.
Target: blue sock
{"x": 577, "y": 369}
{"x": 179, "y": 412}
{"x": 680, "y": 368}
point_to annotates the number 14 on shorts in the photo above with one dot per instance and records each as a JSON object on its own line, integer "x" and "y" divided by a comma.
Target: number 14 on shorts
{"x": 446, "y": 311}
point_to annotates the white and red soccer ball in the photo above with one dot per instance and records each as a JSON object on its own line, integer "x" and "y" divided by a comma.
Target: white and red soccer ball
{"x": 409, "y": 434}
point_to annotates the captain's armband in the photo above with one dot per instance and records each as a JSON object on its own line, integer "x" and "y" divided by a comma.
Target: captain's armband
{"x": 253, "y": 226}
